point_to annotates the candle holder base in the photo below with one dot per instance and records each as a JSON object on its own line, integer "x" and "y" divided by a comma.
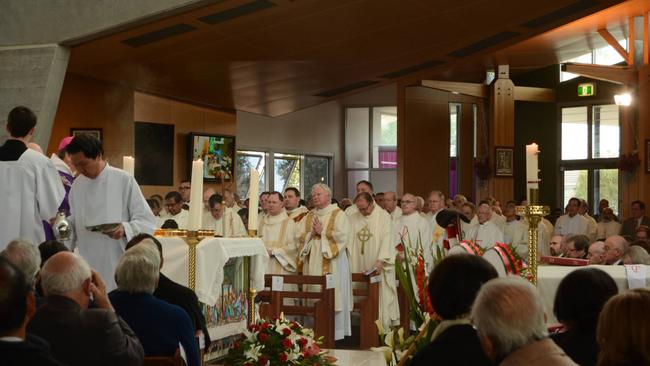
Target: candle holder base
{"x": 252, "y": 233}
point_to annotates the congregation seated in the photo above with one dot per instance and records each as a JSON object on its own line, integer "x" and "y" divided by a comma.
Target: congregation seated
{"x": 607, "y": 226}
{"x": 557, "y": 246}
{"x": 614, "y": 248}
{"x": 636, "y": 255}
{"x": 453, "y": 285}
{"x": 624, "y": 329}
{"x": 577, "y": 246}
{"x": 638, "y": 218}
{"x": 596, "y": 254}
{"x": 513, "y": 332}
{"x": 25, "y": 257}
{"x": 642, "y": 233}
{"x": 17, "y": 306}
{"x": 159, "y": 325}
{"x": 642, "y": 243}
{"x": 579, "y": 299}
{"x": 78, "y": 335}
{"x": 173, "y": 292}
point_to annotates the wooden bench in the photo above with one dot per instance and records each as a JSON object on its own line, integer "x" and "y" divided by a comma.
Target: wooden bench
{"x": 367, "y": 307}
{"x": 321, "y": 304}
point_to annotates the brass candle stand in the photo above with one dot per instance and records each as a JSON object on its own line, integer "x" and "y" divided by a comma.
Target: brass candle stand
{"x": 533, "y": 214}
{"x": 192, "y": 239}
{"x": 252, "y": 292}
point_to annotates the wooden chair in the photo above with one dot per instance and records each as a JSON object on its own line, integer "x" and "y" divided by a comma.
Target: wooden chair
{"x": 321, "y": 304}
{"x": 368, "y": 308}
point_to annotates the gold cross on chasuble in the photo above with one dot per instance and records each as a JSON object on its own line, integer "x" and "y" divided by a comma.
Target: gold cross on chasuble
{"x": 364, "y": 235}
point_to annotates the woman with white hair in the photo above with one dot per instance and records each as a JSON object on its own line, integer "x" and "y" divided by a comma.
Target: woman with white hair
{"x": 160, "y": 326}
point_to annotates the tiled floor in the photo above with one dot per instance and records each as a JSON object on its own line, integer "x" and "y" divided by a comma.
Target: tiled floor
{"x": 357, "y": 358}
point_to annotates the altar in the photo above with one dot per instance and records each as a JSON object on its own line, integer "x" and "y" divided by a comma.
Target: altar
{"x": 549, "y": 277}
{"x": 223, "y": 268}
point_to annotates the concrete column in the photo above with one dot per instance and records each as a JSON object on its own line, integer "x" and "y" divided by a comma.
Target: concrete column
{"x": 33, "y": 77}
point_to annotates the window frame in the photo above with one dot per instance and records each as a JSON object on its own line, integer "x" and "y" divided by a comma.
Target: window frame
{"x": 590, "y": 164}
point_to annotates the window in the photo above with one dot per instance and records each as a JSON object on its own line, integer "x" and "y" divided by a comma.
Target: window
{"x": 590, "y": 149}
{"x": 371, "y": 147}
{"x": 301, "y": 171}
{"x": 605, "y": 55}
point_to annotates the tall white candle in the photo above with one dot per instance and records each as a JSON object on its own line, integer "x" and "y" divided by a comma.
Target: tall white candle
{"x": 196, "y": 197}
{"x": 532, "y": 169}
{"x": 253, "y": 199}
{"x": 128, "y": 165}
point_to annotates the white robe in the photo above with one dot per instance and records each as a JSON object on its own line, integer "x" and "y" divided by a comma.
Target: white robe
{"x": 112, "y": 197}
{"x": 414, "y": 230}
{"x": 230, "y": 220}
{"x": 328, "y": 254}
{"x": 378, "y": 247}
{"x": 31, "y": 191}
{"x": 486, "y": 235}
{"x": 576, "y": 225}
{"x": 180, "y": 218}
{"x": 279, "y": 235}
{"x": 296, "y": 212}
{"x": 593, "y": 228}
{"x": 607, "y": 229}
{"x": 396, "y": 214}
{"x": 520, "y": 239}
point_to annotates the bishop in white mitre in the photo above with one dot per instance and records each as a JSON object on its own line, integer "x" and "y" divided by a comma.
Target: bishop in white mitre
{"x": 486, "y": 233}
{"x": 224, "y": 221}
{"x": 372, "y": 250}
{"x": 323, "y": 250}
{"x": 278, "y": 232}
{"x": 103, "y": 195}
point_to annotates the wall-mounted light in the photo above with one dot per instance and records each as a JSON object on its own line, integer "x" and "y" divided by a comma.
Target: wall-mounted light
{"x": 623, "y": 99}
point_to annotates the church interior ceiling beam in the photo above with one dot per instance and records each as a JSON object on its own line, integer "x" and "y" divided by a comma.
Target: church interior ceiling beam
{"x": 616, "y": 74}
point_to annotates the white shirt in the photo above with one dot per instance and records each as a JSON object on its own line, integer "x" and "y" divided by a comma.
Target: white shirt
{"x": 112, "y": 197}
{"x": 30, "y": 191}
{"x": 180, "y": 218}
{"x": 575, "y": 225}
{"x": 486, "y": 235}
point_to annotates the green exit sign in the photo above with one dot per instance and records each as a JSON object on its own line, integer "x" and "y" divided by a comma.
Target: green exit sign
{"x": 586, "y": 90}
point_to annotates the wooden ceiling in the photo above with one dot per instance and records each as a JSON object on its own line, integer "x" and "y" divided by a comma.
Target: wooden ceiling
{"x": 273, "y": 57}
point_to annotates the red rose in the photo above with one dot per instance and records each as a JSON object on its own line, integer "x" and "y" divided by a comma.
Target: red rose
{"x": 293, "y": 325}
{"x": 284, "y": 357}
{"x": 286, "y": 331}
{"x": 263, "y": 337}
{"x": 262, "y": 360}
{"x": 301, "y": 342}
{"x": 286, "y": 343}
{"x": 265, "y": 326}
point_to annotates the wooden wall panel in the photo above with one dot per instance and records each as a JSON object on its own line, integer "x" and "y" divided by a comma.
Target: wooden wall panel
{"x": 466, "y": 149}
{"x": 426, "y": 130}
{"x": 502, "y": 133}
{"x": 90, "y": 103}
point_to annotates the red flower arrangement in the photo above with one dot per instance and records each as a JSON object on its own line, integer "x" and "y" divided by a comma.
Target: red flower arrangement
{"x": 629, "y": 162}
{"x": 278, "y": 342}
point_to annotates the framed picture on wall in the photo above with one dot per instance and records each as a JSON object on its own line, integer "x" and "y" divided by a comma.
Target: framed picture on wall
{"x": 96, "y": 132}
{"x": 503, "y": 159}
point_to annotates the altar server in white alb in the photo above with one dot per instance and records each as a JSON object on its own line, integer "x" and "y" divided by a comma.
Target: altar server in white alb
{"x": 373, "y": 252}
{"x": 278, "y": 232}
{"x": 103, "y": 195}
{"x": 30, "y": 187}
{"x": 223, "y": 220}
{"x": 323, "y": 249}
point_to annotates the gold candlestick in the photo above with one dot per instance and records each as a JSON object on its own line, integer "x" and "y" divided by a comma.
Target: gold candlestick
{"x": 534, "y": 214}
{"x": 251, "y": 305}
{"x": 252, "y": 233}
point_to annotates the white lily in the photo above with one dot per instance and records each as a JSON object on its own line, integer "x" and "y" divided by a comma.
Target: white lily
{"x": 389, "y": 340}
{"x": 387, "y": 351}
{"x": 380, "y": 327}
{"x": 400, "y": 336}
{"x": 253, "y": 353}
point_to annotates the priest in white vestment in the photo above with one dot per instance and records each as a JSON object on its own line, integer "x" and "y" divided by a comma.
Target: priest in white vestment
{"x": 436, "y": 203}
{"x": 175, "y": 211}
{"x": 486, "y": 233}
{"x": 572, "y": 223}
{"x": 414, "y": 231}
{"x": 206, "y": 215}
{"x": 469, "y": 210}
{"x": 323, "y": 239}
{"x": 223, "y": 220}
{"x": 278, "y": 232}
{"x": 292, "y": 205}
{"x": 390, "y": 205}
{"x": 30, "y": 187}
{"x": 608, "y": 226}
{"x": 593, "y": 225}
{"x": 372, "y": 251}
{"x": 107, "y": 196}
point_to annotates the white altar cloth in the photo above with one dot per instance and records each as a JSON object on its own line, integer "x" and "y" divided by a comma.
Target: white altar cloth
{"x": 549, "y": 277}
{"x": 211, "y": 256}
